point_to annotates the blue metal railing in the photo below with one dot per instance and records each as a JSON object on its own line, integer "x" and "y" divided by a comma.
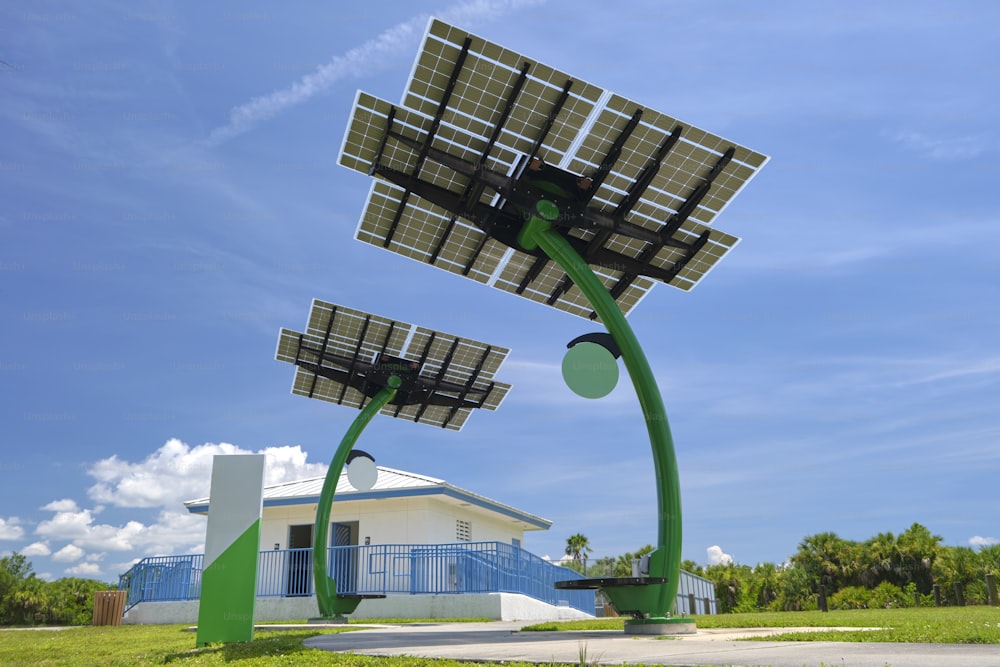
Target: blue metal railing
{"x": 162, "y": 578}
{"x": 385, "y": 569}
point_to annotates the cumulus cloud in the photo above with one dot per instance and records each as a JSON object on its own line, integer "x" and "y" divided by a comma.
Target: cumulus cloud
{"x": 979, "y": 541}
{"x": 64, "y": 505}
{"x": 10, "y": 530}
{"x": 163, "y": 480}
{"x": 376, "y": 54}
{"x": 716, "y": 556}
{"x": 36, "y": 549}
{"x": 289, "y": 464}
{"x": 84, "y": 570}
{"x": 68, "y": 554}
{"x": 177, "y": 472}
{"x": 66, "y": 524}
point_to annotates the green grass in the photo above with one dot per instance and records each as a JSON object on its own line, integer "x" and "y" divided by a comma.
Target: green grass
{"x": 175, "y": 644}
{"x": 401, "y": 621}
{"x": 944, "y": 625}
{"x": 389, "y": 621}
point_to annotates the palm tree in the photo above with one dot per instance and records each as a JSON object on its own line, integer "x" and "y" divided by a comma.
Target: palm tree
{"x": 882, "y": 561}
{"x": 603, "y": 567}
{"x": 918, "y": 550}
{"x": 825, "y": 557}
{"x": 765, "y": 579}
{"x": 578, "y": 546}
{"x": 623, "y": 565}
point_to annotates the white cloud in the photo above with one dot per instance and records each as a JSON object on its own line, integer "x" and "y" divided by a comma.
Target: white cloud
{"x": 66, "y": 525}
{"x": 948, "y": 148}
{"x": 10, "y": 530}
{"x": 374, "y": 55}
{"x": 963, "y": 369}
{"x": 717, "y": 557}
{"x": 68, "y": 554}
{"x": 64, "y": 505}
{"x": 289, "y": 464}
{"x": 84, "y": 570}
{"x": 112, "y": 538}
{"x": 979, "y": 541}
{"x": 173, "y": 473}
{"x": 370, "y": 57}
{"x": 173, "y": 530}
{"x": 177, "y": 472}
{"x": 36, "y": 549}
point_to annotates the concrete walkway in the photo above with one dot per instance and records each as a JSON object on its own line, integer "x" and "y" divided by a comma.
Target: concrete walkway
{"x": 503, "y": 642}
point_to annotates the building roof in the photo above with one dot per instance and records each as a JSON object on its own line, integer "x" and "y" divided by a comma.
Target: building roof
{"x": 391, "y": 483}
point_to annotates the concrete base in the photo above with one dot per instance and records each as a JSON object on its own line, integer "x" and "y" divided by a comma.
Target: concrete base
{"x": 656, "y": 627}
{"x": 342, "y": 620}
{"x": 495, "y": 606}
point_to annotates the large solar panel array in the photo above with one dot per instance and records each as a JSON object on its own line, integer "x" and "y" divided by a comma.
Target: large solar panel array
{"x": 336, "y": 356}
{"x": 489, "y": 106}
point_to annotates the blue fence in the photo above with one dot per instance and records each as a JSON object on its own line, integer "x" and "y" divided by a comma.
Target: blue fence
{"x": 464, "y": 567}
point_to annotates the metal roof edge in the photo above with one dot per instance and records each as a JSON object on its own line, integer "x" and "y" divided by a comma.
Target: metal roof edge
{"x": 435, "y": 487}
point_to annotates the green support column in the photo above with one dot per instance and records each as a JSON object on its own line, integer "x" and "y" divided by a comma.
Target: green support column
{"x": 654, "y": 601}
{"x": 330, "y": 606}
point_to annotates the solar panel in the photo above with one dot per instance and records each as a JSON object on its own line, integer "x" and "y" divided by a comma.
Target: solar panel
{"x": 345, "y": 356}
{"x": 453, "y": 158}
{"x": 447, "y": 161}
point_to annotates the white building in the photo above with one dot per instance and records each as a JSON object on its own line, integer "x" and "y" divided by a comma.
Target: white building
{"x": 402, "y": 508}
{"x": 432, "y": 549}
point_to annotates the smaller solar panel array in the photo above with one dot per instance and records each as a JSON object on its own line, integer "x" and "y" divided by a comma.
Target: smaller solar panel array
{"x": 343, "y": 339}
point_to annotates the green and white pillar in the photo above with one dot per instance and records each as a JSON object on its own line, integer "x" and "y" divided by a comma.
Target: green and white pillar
{"x": 232, "y": 549}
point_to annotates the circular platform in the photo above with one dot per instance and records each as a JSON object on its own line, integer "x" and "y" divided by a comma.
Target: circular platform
{"x": 608, "y": 582}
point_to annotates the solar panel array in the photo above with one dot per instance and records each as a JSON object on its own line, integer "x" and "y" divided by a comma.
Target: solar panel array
{"x": 336, "y": 336}
{"x": 485, "y": 104}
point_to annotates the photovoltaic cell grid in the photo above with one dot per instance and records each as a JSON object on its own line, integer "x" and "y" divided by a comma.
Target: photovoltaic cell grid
{"x": 580, "y": 137}
{"x": 352, "y": 334}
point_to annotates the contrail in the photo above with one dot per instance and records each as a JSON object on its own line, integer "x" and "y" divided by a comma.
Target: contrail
{"x": 370, "y": 57}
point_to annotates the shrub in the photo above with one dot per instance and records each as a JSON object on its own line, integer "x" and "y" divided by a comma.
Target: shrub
{"x": 888, "y": 596}
{"x": 851, "y": 597}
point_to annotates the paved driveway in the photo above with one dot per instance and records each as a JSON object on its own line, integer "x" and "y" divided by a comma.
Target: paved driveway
{"x": 504, "y": 642}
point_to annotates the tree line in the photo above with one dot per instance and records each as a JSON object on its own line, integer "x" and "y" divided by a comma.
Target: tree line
{"x": 27, "y": 600}
{"x": 887, "y": 570}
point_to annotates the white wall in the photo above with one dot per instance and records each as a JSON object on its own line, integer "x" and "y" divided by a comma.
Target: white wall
{"x": 420, "y": 520}
{"x": 496, "y": 606}
{"x": 276, "y": 520}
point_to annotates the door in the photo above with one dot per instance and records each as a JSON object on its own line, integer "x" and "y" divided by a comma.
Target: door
{"x": 299, "y": 569}
{"x": 344, "y": 561}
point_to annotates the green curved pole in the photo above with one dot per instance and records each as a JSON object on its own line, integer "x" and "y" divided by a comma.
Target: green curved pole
{"x": 326, "y": 587}
{"x": 655, "y": 601}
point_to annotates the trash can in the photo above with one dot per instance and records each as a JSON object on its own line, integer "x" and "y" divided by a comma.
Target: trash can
{"x": 109, "y": 607}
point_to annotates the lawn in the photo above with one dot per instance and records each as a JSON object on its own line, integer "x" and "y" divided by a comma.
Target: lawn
{"x": 938, "y": 625}
{"x": 175, "y": 644}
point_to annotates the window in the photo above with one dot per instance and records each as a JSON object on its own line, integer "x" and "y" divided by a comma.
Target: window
{"x": 463, "y": 530}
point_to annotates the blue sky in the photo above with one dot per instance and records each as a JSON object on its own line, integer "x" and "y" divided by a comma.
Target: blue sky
{"x": 171, "y": 198}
